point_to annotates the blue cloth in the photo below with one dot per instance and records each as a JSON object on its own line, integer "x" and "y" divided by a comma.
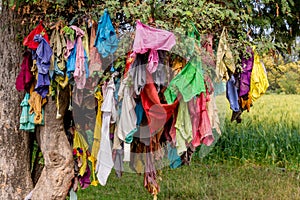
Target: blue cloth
{"x": 86, "y": 65}
{"x": 106, "y": 40}
{"x": 42, "y": 55}
{"x": 175, "y": 160}
{"x": 71, "y": 62}
{"x": 232, "y": 94}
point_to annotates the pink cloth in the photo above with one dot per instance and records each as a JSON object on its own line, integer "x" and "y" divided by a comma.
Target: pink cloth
{"x": 202, "y": 132}
{"x": 95, "y": 59}
{"x": 79, "y": 73}
{"x": 152, "y": 39}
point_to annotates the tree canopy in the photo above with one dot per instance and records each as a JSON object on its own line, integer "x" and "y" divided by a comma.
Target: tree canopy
{"x": 272, "y": 24}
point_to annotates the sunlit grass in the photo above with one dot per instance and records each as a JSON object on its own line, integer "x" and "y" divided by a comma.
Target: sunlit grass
{"x": 256, "y": 159}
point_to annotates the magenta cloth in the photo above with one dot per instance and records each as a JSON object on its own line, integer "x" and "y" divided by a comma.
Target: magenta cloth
{"x": 201, "y": 127}
{"x": 85, "y": 180}
{"x": 28, "y": 40}
{"x": 80, "y": 72}
{"x": 247, "y": 65}
{"x": 152, "y": 39}
{"x": 25, "y": 76}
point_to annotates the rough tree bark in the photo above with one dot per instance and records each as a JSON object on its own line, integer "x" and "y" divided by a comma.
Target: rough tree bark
{"x": 15, "y": 179}
{"x": 58, "y": 172}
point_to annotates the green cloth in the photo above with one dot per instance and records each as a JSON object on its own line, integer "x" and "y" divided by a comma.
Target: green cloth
{"x": 189, "y": 82}
{"x": 183, "y": 127}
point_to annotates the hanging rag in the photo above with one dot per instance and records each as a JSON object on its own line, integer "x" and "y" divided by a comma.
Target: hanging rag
{"x": 232, "y": 94}
{"x": 183, "y": 127}
{"x": 80, "y": 147}
{"x": 225, "y": 61}
{"x": 29, "y": 40}
{"x": 42, "y": 56}
{"x": 26, "y": 119}
{"x": 106, "y": 38}
{"x": 81, "y": 66}
{"x": 259, "y": 81}
{"x": 157, "y": 113}
{"x": 189, "y": 82}
{"x": 245, "y": 77}
{"x": 104, "y": 158}
{"x": 25, "y": 77}
{"x": 201, "y": 127}
{"x": 148, "y": 39}
{"x": 95, "y": 60}
{"x": 128, "y": 118}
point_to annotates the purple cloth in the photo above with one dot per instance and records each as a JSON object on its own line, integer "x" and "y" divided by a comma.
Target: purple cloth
{"x": 85, "y": 179}
{"x": 247, "y": 64}
{"x": 25, "y": 76}
{"x": 42, "y": 56}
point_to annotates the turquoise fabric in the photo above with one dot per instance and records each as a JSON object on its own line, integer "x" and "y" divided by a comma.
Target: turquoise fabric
{"x": 26, "y": 119}
{"x": 175, "y": 160}
{"x": 106, "y": 38}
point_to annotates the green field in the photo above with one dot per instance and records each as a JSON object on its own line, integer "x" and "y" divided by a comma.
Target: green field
{"x": 257, "y": 159}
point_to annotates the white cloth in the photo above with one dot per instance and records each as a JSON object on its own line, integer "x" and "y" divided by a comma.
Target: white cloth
{"x": 127, "y": 122}
{"x": 104, "y": 159}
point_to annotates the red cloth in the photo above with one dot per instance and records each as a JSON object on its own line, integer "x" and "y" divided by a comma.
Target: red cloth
{"x": 28, "y": 40}
{"x": 201, "y": 127}
{"x": 157, "y": 114}
{"x": 25, "y": 76}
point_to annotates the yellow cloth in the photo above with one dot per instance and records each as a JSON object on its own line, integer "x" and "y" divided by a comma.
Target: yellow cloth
{"x": 225, "y": 59}
{"x": 97, "y": 136}
{"x": 259, "y": 82}
{"x": 36, "y": 102}
{"x": 79, "y": 142}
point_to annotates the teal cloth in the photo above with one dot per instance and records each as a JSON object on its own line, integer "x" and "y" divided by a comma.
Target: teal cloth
{"x": 189, "y": 82}
{"x": 26, "y": 119}
{"x": 175, "y": 160}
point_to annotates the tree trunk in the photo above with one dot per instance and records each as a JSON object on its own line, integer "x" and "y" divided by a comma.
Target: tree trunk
{"x": 58, "y": 172}
{"x": 15, "y": 179}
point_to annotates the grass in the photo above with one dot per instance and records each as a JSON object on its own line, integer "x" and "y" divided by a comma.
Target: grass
{"x": 257, "y": 159}
{"x": 204, "y": 181}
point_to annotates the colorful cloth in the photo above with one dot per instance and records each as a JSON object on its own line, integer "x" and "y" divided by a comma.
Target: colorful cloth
{"x": 259, "y": 81}
{"x": 245, "y": 77}
{"x": 232, "y": 94}
{"x": 189, "y": 82}
{"x": 29, "y": 40}
{"x": 25, "y": 77}
{"x": 42, "y": 56}
{"x": 104, "y": 159}
{"x": 202, "y": 132}
{"x": 157, "y": 113}
{"x": 80, "y": 147}
{"x": 225, "y": 62}
{"x": 95, "y": 60}
{"x": 183, "y": 127}
{"x": 81, "y": 66}
{"x": 26, "y": 119}
{"x": 106, "y": 38}
{"x": 148, "y": 39}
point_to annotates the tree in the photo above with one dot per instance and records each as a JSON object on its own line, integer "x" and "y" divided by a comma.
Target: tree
{"x": 241, "y": 17}
{"x": 15, "y": 179}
